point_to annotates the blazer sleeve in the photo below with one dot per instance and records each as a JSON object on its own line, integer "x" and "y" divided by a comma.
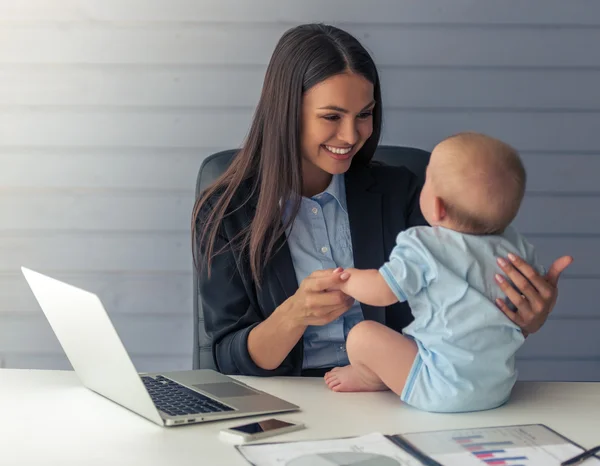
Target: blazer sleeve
{"x": 229, "y": 313}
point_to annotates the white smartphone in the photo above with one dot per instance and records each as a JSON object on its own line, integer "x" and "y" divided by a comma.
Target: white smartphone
{"x": 258, "y": 430}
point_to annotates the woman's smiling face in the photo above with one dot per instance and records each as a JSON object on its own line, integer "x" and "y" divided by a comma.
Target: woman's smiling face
{"x": 337, "y": 120}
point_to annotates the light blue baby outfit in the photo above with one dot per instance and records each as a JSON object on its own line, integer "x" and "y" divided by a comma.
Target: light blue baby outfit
{"x": 466, "y": 345}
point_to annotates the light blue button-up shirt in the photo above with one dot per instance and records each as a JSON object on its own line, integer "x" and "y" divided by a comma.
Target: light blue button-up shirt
{"x": 320, "y": 239}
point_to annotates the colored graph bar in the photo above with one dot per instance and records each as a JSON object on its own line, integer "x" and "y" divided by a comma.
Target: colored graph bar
{"x": 496, "y": 461}
{"x": 486, "y": 444}
{"x": 485, "y": 452}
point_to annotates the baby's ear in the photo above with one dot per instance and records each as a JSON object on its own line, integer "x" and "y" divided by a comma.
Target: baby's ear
{"x": 439, "y": 209}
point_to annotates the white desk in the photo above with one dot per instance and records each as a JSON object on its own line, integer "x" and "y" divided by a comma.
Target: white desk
{"x": 48, "y": 418}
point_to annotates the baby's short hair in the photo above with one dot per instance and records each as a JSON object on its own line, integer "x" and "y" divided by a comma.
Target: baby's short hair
{"x": 482, "y": 182}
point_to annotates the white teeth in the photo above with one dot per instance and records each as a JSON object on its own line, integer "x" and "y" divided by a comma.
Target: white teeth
{"x": 337, "y": 150}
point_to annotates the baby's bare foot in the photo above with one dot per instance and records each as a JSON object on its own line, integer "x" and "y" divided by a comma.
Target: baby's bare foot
{"x": 348, "y": 379}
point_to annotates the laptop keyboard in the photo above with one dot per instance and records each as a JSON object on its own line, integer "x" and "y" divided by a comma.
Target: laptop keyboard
{"x": 177, "y": 400}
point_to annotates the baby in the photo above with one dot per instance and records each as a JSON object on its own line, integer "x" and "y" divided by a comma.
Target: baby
{"x": 459, "y": 352}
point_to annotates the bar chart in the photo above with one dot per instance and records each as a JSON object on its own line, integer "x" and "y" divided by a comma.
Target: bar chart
{"x": 524, "y": 445}
{"x": 489, "y": 452}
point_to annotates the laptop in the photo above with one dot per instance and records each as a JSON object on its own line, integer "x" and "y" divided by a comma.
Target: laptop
{"x": 101, "y": 362}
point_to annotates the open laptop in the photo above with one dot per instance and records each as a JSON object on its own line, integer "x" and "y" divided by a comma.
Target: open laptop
{"x": 99, "y": 358}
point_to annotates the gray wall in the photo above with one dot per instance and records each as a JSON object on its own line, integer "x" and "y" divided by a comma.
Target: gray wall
{"x": 108, "y": 107}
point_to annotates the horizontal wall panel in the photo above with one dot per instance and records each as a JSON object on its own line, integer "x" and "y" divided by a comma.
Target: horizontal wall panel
{"x": 227, "y": 128}
{"x": 555, "y": 340}
{"x": 194, "y": 44}
{"x": 149, "y": 128}
{"x": 378, "y": 11}
{"x": 171, "y": 293}
{"x": 124, "y": 86}
{"x": 562, "y": 173}
{"x": 560, "y": 215}
{"x": 127, "y": 252}
{"x": 42, "y": 361}
{"x": 560, "y": 371}
{"x": 571, "y": 370}
{"x": 170, "y": 336}
{"x": 224, "y": 87}
{"x": 162, "y": 252}
{"x": 527, "y": 131}
{"x": 156, "y": 211}
{"x": 164, "y": 294}
{"x": 160, "y": 169}
{"x": 89, "y": 168}
{"x": 585, "y": 251}
{"x": 105, "y": 211}
{"x": 483, "y": 88}
{"x": 576, "y": 298}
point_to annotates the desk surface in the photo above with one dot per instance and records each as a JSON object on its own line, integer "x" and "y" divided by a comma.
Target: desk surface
{"x": 49, "y": 418}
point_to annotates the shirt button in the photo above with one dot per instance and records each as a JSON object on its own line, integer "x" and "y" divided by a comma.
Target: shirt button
{"x": 324, "y": 249}
{"x": 315, "y": 210}
{"x": 343, "y": 348}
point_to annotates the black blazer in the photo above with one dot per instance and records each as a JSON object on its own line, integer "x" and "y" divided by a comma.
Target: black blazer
{"x": 382, "y": 201}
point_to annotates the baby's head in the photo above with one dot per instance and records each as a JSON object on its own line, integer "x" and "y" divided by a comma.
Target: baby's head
{"x": 474, "y": 184}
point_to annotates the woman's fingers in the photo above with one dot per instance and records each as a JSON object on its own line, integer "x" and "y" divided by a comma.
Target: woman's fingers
{"x": 520, "y": 300}
{"x": 558, "y": 267}
{"x": 525, "y": 279}
{"x": 534, "y": 296}
{"x": 324, "y": 282}
{"x": 324, "y": 313}
{"x": 322, "y": 301}
{"x": 512, "y": 315}
{"x": 327, "y": 299}
{"x": 325, "y": 272}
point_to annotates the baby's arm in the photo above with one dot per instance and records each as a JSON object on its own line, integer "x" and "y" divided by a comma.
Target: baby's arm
{"x": 369, "y": 287}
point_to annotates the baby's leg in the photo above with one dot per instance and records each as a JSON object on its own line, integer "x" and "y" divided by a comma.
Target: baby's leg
{"x": 380, "y": 358}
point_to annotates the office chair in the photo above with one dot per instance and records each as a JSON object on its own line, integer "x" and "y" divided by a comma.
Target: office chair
{"x": 214, "y": 165}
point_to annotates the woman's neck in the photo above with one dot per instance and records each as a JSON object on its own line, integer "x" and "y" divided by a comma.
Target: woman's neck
{"x": 315, "y": 180}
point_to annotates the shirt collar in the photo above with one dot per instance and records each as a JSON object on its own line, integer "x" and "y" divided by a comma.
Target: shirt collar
{"x": 337, "y": 190}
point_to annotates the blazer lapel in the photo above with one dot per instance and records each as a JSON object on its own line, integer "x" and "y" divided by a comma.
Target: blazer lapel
{"x": 282, "y": 267}
{"x": 279, "y": 273}
{"x": 366, "y": 228}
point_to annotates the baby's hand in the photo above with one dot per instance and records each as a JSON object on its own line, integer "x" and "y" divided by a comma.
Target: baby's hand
{"x": 344, "y": 276}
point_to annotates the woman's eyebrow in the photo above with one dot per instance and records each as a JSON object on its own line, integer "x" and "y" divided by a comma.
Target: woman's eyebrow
{"x": 335, "y": 108}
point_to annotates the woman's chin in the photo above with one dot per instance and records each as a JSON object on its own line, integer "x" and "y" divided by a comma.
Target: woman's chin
{"x": 337, "y": 167}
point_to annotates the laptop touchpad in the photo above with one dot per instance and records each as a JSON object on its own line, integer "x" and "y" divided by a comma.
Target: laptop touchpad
{"x": 225, "y": 389}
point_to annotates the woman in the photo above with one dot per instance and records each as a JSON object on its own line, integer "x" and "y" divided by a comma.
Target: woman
{"x": 300, "y": 201}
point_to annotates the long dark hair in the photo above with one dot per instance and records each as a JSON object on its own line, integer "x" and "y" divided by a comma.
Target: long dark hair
{"x": 270, "y": 158}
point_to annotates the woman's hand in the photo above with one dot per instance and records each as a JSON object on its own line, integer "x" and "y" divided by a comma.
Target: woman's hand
{"x": 318, "y": 300}
{"x": 537, "y": 294}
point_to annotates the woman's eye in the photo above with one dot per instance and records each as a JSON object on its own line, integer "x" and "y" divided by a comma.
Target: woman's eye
{"x": 331, "y": 117}
{"x": 365, "y": 115}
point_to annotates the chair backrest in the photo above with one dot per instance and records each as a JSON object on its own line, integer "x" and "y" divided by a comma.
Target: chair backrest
{"x": 213, "y": 166}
